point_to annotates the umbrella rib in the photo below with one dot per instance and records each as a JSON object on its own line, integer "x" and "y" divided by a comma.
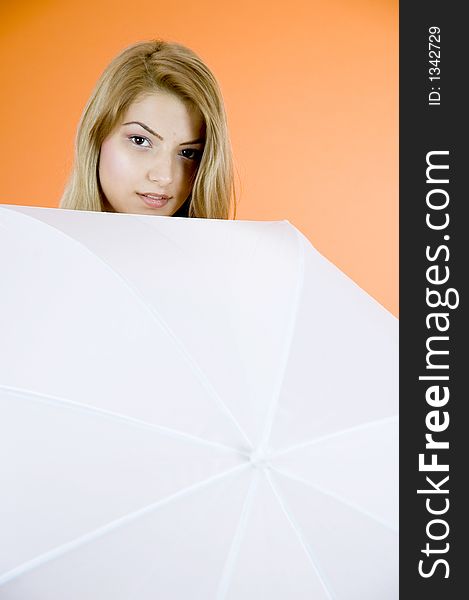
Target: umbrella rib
{"x": 194, "y": 366}
{"x": 233, "y": 554}
{"x": 63, "y": 549}
{"x": 114, "y": 416}
{"x": 308, "y": 551}
{"x": 289, "y": 340}
{"x": 143, "y": 221}
{"x": 158, "y": 318}
{"x": 335, "y": 496}
{"x": 329, "y": 436}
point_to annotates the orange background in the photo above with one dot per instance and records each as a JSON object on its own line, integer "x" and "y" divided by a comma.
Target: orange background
{"x": 311, "y": 94}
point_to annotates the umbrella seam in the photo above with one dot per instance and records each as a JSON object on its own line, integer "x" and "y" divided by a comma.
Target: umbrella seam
{"x": 335, "y": 496}
{"x": 303, "y": 543}
{"x": 233, "y": 553}
{"x": 88, "y": 409}
{"x": 157, "y": 318}
{"x": 86, "y": 538}
{"x": 329, "y": 436}
{"x": 291, "y": 330}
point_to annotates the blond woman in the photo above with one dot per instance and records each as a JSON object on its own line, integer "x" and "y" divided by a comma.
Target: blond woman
{"x": 153, "y": 138}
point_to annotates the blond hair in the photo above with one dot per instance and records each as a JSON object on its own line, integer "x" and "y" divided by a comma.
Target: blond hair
{"x": 144, "y": 68}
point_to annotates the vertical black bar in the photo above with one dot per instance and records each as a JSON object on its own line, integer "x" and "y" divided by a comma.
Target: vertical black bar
{"x": 434, "y": 263}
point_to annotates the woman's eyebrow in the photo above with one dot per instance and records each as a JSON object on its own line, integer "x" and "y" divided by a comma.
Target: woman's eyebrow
{"x": 146, "y": 128}
{"x": 160, "y": 137}
{"x": 198, "y": 141}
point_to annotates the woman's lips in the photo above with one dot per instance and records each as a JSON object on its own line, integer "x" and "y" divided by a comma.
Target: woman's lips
{"x": 155, "y": 200}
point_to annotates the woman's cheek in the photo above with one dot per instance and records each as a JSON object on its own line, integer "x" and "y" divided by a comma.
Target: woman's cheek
{"x": 188, "y": 174}
{"x": 114, "y": 161}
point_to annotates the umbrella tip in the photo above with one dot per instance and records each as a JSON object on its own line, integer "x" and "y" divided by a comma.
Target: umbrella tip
{"x": 260, "y": 459}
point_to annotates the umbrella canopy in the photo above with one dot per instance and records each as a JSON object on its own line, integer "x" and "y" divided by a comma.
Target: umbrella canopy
{"x": 191, "y": 408}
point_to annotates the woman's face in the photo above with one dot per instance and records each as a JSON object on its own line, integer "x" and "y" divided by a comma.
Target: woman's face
{"x": 148, "y": 163}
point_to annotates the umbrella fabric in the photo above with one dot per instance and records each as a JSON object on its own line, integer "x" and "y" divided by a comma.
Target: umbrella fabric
{"x": 193, "y": 409}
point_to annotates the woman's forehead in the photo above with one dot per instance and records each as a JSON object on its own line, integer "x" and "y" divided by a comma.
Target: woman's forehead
{"x": 166, "y": 111}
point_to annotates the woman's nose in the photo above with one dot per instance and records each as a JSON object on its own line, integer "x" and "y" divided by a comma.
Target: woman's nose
{"x": 161, "y": 170}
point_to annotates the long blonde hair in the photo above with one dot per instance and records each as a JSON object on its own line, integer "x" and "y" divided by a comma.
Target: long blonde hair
{"x": 143, "y": 68}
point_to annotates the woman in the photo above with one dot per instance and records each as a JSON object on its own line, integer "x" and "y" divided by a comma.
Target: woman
{"x": 153, "y": 138}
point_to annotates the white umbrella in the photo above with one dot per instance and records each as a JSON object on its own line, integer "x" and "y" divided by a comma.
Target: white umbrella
{"x": 193, "y": 409}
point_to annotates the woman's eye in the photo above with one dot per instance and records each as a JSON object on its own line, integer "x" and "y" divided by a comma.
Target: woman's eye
{"x": 139, "y": 140}
{"x": 191, "y": 153}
